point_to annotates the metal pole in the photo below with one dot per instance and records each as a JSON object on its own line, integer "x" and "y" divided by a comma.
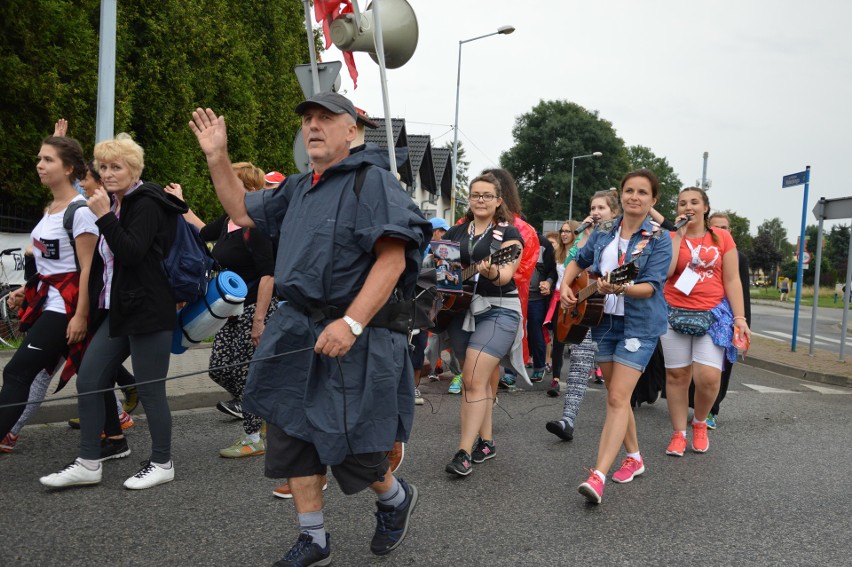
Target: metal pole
{"x": 379, "y": 43}
{"x": 799, "y": 267}
{"x": 309, "y": 28}
{"x": 820, "y": 207}
{"x": 846, "y": 293}
{"x": 571, "y": 198}
{"x": 704, "y": 172}
{"x": 105, "y": 118}
{"x": 456, "y": 142}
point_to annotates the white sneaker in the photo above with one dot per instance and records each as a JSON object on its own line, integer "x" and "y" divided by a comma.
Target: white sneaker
{"x": 74, "y": 474}
{"x": 150, "y": 475}
{"x": 418, "y": 399}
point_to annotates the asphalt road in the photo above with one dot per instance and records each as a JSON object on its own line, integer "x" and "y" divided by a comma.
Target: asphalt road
{"x": 772, "y": 490}
{"x": 776, "y": 322}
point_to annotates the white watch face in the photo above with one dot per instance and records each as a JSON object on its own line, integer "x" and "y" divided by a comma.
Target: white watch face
{"x": 355, "y": 326}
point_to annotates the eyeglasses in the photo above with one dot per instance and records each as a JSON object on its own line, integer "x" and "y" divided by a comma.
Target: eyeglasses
{"x": 487, "y": 197}
{"x": 566, "y": 231}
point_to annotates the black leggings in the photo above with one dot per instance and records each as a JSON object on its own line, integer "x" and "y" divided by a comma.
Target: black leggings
{"x": 43, "y": 346}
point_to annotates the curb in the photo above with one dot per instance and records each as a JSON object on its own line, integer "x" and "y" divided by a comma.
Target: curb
{"x": 798, "y": 373}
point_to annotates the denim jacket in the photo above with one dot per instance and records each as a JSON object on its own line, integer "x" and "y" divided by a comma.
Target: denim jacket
{"x": 642, "y": 317}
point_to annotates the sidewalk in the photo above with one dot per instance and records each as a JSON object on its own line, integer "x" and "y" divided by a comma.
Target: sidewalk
{"x": 189, "y": 392}
{"x": 199, "y": 391}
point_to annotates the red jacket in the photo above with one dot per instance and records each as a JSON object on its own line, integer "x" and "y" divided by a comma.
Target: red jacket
{"x": 524, "y": 272}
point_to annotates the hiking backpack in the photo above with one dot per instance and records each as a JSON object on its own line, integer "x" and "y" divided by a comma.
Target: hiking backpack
{"x": 188, "y": 263}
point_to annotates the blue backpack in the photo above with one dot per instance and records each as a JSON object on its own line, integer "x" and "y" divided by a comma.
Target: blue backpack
{"x": 188, "y": 264}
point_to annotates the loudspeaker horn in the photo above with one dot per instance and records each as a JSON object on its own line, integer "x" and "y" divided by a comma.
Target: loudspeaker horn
{"x": 399, "y": 31}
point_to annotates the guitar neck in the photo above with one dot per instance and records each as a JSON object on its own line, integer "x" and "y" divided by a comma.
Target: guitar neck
{"x": 587, "y": 292}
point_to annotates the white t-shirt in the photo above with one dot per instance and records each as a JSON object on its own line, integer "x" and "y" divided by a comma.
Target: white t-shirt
{"x": 52, "y": 248}
{"x": 609, "y": 261}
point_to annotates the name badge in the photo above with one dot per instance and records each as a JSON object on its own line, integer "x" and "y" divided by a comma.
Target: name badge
{"x": 687, "y": 280}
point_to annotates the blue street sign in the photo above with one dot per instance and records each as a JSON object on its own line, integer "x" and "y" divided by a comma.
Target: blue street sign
{"x": 793, "y": 179}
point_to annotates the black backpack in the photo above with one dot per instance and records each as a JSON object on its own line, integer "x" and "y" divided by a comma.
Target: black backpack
{"x": 188, "y": 263}
{"x": 68, "y": 225}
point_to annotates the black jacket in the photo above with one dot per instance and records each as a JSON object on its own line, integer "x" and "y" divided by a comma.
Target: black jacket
{"x": 141, "y": 300}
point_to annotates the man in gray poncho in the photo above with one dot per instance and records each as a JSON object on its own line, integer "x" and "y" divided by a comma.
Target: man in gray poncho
{"x": 341, "y": 393}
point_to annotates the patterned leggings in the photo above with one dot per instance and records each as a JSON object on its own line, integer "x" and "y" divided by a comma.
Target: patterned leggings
{"x": 581, "y": 362}
{"x": 232, "y": 345}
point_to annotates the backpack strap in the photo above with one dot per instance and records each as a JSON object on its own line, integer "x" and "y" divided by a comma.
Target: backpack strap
{"x": 360, "y": 176}
{"x": 68, "y": 225}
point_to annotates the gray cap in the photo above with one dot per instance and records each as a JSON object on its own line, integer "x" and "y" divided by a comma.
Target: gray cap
{"x": 336, "y": 103}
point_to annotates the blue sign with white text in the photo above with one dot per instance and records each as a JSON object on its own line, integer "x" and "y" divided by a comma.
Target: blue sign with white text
{"x": 793, "y": 179}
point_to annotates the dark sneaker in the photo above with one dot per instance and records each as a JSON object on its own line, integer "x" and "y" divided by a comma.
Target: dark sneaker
{"x": 113, "y": 449}
{"x": 561, "y": 429}
{"x": 553, "y": 391}
{"x": 537, "y": 375}
{"x": 460, "y": 465}
{"x": 231, "y": 407}
{"x": 507, "y": 382}
{"x": 392, "y": 523}
{"x": 305, "y": 553}
{"x": 482, "y": 451}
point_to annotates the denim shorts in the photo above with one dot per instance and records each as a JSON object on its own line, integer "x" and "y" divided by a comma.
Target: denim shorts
{"x": 495, "y": 333}
{"x": 613, "y": 346}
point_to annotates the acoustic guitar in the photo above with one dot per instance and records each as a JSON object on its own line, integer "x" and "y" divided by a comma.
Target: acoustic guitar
{"x": 453, "y": 303}
{"x": 572, "y": 325}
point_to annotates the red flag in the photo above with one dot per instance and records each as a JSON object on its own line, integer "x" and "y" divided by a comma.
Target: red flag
{"x": 327, "y": 10}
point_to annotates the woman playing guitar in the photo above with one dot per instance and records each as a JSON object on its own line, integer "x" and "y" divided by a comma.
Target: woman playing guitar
{"x": 489, "y": 329}
{"x": 635, "y": 315}
{"x": 604, "y": 207}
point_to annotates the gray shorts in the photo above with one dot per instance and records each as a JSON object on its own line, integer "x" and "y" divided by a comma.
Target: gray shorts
{"x": 495, "y": 333}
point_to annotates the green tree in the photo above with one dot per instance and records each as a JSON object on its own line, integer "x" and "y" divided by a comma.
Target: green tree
{"x": 764, "y": 254}
{"x": 836, "y": 252}
{"x": 461, "y": 178}
{"x": 670, "y": 184}
{"x": 172, "y": 56}
{"x": 546, "y": 138}
{"x": 740, "y": 231}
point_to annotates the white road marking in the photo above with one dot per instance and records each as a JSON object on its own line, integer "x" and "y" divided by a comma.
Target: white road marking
{"x": 770, "y": 390}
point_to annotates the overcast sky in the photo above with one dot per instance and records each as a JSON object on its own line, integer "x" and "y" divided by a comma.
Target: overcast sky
{"x": 764, "y": 86}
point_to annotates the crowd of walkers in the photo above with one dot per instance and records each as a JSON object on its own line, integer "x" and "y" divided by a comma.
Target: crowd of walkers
{"x": 330, "y": 259}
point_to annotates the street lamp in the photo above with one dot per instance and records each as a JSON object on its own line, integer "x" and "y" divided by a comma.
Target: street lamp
{"x": 502, "y": 30}
{"x": 571, "y": 198}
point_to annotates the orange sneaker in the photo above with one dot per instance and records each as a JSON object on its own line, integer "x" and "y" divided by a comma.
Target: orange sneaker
{"x": 677, "y": 445}
{"x": 125, "y": 420}
{"x": 396, "y": 455}
{"x": 283, "y": 491}
{"x": 700, "y": 442}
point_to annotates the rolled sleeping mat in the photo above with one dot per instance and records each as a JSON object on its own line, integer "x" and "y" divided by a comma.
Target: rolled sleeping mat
{"x": 203, "y": 318}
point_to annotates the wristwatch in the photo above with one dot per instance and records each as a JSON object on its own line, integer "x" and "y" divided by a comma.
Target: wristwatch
{"x": 354, "y": 325}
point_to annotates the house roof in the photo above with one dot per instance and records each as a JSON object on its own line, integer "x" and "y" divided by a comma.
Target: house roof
{"x": 378, "y": 136}
{"x": 442, "y": 163}
{"x": 420, "y": 155}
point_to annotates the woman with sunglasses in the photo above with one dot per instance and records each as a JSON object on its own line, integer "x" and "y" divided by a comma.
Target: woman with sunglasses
{"x": 634, "y": 316}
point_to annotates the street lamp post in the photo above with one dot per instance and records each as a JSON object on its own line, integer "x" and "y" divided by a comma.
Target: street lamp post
{"x": 571, "y": 197}
{"x": 502, "y": 30}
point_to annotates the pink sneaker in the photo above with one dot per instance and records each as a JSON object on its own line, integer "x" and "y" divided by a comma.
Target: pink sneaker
{"x": 700, "y": 442}
{"x": 677, "y": 445}
{"x": 630, "y": 468}
{"x": 592, "y": 489}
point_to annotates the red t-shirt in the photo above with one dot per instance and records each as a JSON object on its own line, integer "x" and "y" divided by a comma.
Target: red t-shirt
{"x": 705, "y": 258}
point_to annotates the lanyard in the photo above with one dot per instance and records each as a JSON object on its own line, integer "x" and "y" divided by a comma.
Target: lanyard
{"x": 472, "y": 242}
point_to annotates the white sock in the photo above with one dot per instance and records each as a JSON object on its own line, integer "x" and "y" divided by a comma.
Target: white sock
{"x": 251, "y": 438}
{"x": 601, "y": 475}
{"x": 696, "y": 422}
{"x": 683, "y": 433}
{"x": 165, "y": 466}
{"x": 637, "y": 456}
{"x": 89, "y": 464}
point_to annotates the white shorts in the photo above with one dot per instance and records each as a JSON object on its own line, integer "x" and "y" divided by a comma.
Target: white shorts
{"x": 682, "y": 350}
